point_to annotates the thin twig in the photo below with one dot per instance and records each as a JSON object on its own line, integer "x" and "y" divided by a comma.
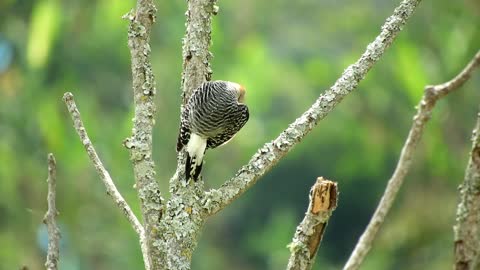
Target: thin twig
{"x": 103, "y": 173}
{"x": 431, "y": 96}
{"x": 309, "y": 233}
{"x": 140, "y": 143}
{"x": 267, "y": 156}
{"x": 53, "y": 255}
{"x": 467, "y": 227}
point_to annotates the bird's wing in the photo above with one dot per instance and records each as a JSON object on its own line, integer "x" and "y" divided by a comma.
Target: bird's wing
{"x": 234, "y": 121}
{"x": 184, "y": 131}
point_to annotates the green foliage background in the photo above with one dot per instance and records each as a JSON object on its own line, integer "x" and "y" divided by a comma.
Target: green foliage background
{"x": 286, "y": 53}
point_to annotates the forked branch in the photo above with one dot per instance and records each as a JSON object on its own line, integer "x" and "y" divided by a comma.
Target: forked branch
{"x": 431, "y": 96}
{"x": 267, "y": 156}
{"x": 103, "y": 173}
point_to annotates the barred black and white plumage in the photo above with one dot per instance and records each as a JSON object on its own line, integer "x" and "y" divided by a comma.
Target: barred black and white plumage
{"x": 213, "y": 114}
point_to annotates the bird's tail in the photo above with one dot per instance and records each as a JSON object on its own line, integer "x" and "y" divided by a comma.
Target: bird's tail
{"x": 192, "y": 168}
{"x": 196, "y": 147}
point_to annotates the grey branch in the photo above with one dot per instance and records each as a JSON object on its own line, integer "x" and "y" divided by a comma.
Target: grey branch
{"x": 267, "y": 156}
{"x": 467, "y": 227}
{"x": 53, "y": 255}
{"x": 184, "y": 216}
{"x": 140, "y": 143}
{"x": 196, "y": 63}
{"x": 103, "y": 173}
{"x": 196, "y": 43}
{"x": 431, "y": 96}
{"x": 309, "y": 233}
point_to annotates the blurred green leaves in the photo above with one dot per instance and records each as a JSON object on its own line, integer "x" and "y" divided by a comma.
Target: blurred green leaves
{"x": 270, "y": 241}
{"x": 409, "y": 69}
{"x": 285, "y": 53}
{"x": 45, "y": 24}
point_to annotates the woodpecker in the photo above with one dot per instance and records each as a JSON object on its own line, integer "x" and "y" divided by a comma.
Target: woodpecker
{"x": 214, "y": 113}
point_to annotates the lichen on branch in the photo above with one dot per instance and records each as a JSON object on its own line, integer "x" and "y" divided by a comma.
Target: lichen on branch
{"x": 308, "y": 236}
{"x": 271, "y": 153}
{"x": 53, "y": 253}
{"x": 425, "y": 107}
{"x": 140, "y": 143}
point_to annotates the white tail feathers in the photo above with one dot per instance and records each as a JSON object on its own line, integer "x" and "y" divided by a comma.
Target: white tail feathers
{"x": 196, "y": 149}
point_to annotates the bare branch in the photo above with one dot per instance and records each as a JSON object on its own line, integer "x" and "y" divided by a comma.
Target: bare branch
{"x": 140, "y": 143}
{"x": 196, "y": 56}
{"x": 309, "y": 234}
{"x": 103, "y": 173}
{"x": 272, "y": 152}
{"x": 53, "y": 255}
{"x": 467, "y": 227}
{"x": 429, "y": 99}
{"x": 184, "y": 216}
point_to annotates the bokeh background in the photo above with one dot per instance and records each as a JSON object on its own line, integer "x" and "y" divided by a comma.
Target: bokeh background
{"x": 286, "y": 53}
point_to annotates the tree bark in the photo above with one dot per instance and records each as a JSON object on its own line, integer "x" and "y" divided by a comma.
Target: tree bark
{"x": 467, "y": 227}
{"x": 53, "y": 254}
{"x": 308, "y": 236}
{"x": 140, "y": 143}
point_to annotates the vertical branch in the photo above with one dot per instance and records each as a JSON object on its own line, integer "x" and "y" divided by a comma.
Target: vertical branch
{"x": 53, "y": 255}
{"x": 196, "y": 60}
{"x": 467, "y": 227}
{"x": 425, "y": 107}
{"x": 196, "y": 43}
{"x": 184, "y": 216}
{"x": 309, "y": 233}
{"x": 140, "y": 143}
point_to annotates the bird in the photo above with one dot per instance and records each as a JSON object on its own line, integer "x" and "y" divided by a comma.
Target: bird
{"x": 212, "y": 116}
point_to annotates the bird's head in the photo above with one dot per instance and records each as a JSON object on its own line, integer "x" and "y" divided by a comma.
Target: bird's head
{"x": 238, "y": 89}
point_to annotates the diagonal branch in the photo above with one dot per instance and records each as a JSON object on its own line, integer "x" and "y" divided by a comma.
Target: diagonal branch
{"x": 309, "y": 234}
{"x": 103, "y": 173}
{"x": 431, "y": 96}
{"x": 272, "y": 152}
{"x": 140, "y": 143}
{"x": 53, "y": 255}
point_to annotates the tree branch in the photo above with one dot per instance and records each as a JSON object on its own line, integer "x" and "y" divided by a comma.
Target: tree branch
{"x": 196, "y": 43}
{"x": 272, "y": 152}
{"x": 467, "y": 227}
{"x": 184, "y": 217}
{"x": 196, "y": 66}
{"x": 431, "y": 96}
{"x": 309, "y": 234}
{"x": 53, "y": 255}
{"x": 103, "y": 173}
{"x": 140, "y": 144}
